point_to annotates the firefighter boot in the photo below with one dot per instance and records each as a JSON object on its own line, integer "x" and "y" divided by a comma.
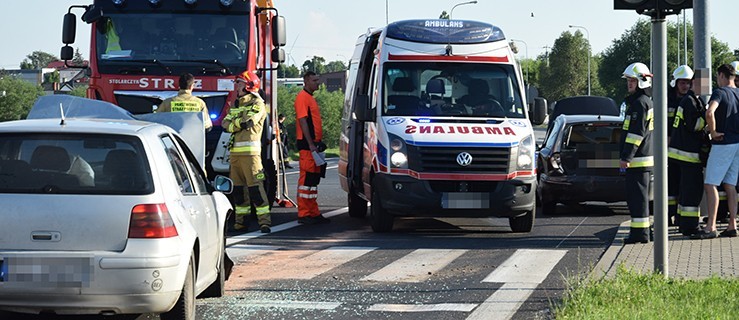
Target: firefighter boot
{"x": 637, "y": 235}
{"x": 242, "y": 222}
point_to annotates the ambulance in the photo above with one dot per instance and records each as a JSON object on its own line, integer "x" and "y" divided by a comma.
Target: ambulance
{"x": 436, "y": 124}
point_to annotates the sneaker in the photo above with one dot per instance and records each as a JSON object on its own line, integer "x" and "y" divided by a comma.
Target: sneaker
{"x": 728, "y": 233}
{"x": 265, "y": 229}
{"x": 704, "y": 234}
{"x": 321, "y": 219}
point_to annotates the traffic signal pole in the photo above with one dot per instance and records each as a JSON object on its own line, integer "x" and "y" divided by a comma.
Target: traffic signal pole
{"x": 659, "y": 63}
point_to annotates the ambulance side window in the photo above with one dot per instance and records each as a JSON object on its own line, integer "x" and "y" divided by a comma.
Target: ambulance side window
{"x": 373, "y": 86}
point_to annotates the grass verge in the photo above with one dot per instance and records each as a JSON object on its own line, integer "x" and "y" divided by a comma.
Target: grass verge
{"x": 630, "y": 295}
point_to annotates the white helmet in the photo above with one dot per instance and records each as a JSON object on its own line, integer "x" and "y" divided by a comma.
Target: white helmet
{"x": 639, "y": 71}
{"x": 682, "y": 72}
{"x": 735, "y": 64}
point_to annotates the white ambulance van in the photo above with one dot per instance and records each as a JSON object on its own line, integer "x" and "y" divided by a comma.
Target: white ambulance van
{"x": 435, "y": 123}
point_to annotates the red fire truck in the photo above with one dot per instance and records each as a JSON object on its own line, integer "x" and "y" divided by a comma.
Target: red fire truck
{"x": 138, "y": 50}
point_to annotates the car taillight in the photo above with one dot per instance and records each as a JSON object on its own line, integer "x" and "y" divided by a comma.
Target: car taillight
{"x": 151, "y": 221}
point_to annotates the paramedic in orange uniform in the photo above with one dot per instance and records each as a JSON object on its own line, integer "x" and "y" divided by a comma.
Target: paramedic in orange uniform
{"x": 309, "y": 135}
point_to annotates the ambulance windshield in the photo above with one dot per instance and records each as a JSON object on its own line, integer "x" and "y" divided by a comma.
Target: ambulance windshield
{"x": 451, "y": 89}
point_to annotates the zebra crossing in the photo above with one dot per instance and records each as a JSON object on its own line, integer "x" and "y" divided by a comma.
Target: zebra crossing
{"x": 515, "y": 279}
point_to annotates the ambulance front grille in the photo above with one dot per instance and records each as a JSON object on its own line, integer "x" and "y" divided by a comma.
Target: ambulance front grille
{"x": 444, "y": 160}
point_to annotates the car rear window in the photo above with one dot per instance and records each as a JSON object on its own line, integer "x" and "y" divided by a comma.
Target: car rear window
{"x": 73, "y": 164}
{"x": 592, "y": 134}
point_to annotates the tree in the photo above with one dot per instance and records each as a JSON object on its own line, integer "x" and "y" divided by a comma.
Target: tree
{"x": 51, "y": 77}
{"x": 78, "y": 60}
{"x": 17, "y": 97}
{"x": 79, "y": 91}
{"x": 566, "y": 74}
{"x": 315, "y": 64}
{"x": 38, "y": 60}
{"x": 286, "y": 71}
{"x": 331, "y": 104}
{"x": 444, "y": 15}
{"x": 335, "y": 66}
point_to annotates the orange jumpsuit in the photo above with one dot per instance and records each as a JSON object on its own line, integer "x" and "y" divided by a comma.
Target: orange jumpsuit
{"x": 310, "y": 174}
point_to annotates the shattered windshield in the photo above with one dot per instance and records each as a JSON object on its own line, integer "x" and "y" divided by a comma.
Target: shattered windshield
{"x": 451, "y": 89}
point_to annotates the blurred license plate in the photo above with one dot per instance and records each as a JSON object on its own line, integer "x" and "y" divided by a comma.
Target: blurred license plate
{"x": 48, "y": 272}
{"x": 465, "y": 200}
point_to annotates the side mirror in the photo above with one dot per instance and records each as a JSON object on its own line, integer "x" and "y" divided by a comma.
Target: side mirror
{"x": 223, "y": 184}
{"x": 362, "y": 111}
{"x": 539, "y": 111}
{"x": 69, "y": 29}
{"x": 278, "y": 55}
{"x": 279, "y": 33}
{"x": 67, "y": 53}
{"x": 92, "y": 14}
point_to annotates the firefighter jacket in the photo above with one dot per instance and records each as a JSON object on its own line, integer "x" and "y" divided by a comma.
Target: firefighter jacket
{"x": 688, "y": 137}
{"x": 636, "y": 138}
{"x": 186, "y": 102}
{"x": 245, "y": 122}
{"x": 673, "y": 101}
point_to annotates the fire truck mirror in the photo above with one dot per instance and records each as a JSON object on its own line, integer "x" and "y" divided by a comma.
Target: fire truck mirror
{"x": 278, "y": 55}
{"x": 92, "y": 14}
{"x": 69, "y": 30}
{"x": 67, "y": 53}
{"x": 279, "y": 33}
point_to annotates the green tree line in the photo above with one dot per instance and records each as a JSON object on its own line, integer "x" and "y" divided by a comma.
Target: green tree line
{"x": 330, "y": 104}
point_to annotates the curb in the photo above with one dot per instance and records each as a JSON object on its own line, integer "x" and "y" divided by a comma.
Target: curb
{"x": 608, "y": 259}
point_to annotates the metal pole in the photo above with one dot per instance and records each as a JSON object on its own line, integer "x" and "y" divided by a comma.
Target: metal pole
{"x": 685, "y": 34}
{"x": 589, "y": 51}
{"x": 386, "y": 11}
{"x": 460, "y": 4}
{"x": 702, "y": 46}
{"x": 526, "y": 48}
{"x": 678, "y": 41}
{"x": 659, "y": 58}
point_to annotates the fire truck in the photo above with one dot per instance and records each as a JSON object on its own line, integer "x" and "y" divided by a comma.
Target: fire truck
{"x": 436, "y": 123}
{"x": 138, "y": 50}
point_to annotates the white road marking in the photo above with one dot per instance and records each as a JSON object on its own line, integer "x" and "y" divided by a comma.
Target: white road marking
{"x": 462, "y": 307}
{"x": 416, "y": 266}
{"x": 282, "y": 304}
{"x": 240, "y": 251}
{"x": 325, "y": 260}
{"x": 521, "y": 273}
{"x": 282, "y": 227}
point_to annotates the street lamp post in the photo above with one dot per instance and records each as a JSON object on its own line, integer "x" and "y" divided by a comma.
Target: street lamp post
{"x": 526, "y": 49}
{"x": 589, "y": 51}
{"x": 460, "y": 4}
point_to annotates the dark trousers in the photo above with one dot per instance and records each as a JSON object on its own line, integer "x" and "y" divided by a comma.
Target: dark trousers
{"x": 637, "y": 199}
{"x": 673, "y": 190}
{"x": 691, "y": 192}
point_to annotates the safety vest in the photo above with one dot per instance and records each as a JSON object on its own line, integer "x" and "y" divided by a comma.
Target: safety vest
{"x": 688, "y": 137}
{"x": 114, "y": 42}
{"x": 636, "y": 138}
{"x": 246, "y": 141}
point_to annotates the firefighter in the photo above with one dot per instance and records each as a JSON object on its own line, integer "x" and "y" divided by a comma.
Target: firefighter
{"x": 186, "y": 102}
{"x": 677, "y": 92}
{"x": 636, "y": 149}
{"x": 245, "y": 121}
{"x": 309, "y": 135}
{"x": 684, "y": 151}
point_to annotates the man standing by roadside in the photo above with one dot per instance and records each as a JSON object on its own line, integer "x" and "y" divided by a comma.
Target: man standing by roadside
{"x": 636, "y": 150}
{"x": 245, "y": 122}
{"x": 185, "y": 101}
{"x": 681, "y": 79}
{"x": 309, "y": 135}
{"x": 722, "y": 121}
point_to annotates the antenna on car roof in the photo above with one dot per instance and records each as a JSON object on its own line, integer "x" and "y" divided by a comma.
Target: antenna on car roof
{"x": 61, "y": 110}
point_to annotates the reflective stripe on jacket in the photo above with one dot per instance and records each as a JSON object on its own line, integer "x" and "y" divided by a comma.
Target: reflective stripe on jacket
{"x": 246, "y": 141}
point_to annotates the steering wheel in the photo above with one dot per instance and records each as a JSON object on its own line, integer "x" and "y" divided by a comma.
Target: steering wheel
{"x": 233, "y": 47}
{"x": 491, "y": 107}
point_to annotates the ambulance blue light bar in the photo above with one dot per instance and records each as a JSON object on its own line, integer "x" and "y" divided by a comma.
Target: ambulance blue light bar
{"x": 444, "y": 31}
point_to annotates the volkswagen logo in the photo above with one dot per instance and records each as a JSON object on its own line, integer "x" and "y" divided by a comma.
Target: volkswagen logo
{"x": 464, "y": 159}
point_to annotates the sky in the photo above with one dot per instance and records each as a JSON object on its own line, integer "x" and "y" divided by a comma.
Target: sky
{"x": 329, "y": 28}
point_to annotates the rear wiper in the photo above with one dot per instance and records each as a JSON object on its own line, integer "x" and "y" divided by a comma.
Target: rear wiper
{"x": 149, "y": 61}
{"x": 225, "y": 70}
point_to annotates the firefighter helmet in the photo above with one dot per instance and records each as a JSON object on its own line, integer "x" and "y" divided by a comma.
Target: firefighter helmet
{"x": 640, "y": 72}
{"x": 682, "y": 72}
{"x": 735, "y": 64}
{"x": 251, "y": 80}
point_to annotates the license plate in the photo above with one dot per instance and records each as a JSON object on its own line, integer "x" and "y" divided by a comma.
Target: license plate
{"x": 48, "y": 272}
{"x": 465, "y": 200}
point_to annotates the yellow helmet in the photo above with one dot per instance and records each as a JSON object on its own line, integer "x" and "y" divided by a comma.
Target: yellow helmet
{"x": 641, "y": 72}
{"x": 682, "y": 72}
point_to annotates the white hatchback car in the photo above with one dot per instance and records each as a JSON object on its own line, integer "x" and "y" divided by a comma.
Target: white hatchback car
{"x": 105, "y": 214}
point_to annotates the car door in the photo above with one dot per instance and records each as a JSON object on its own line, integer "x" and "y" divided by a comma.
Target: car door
{"x": 199, "y": 213}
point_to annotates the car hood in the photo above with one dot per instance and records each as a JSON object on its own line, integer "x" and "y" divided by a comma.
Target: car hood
{"x": 467, "y": 132}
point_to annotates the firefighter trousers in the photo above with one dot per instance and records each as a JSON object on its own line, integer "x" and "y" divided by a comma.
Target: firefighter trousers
{"x": 637, "y": 199}
{"x": 310, "y": 176}
{"x": 673, "y": 191}
{"x": 246, "y": 170}
{"x": 691, "y": 193}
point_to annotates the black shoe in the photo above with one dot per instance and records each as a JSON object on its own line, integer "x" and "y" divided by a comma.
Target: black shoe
{"x": 630, "y": 240}
{"x": 307, "y": 220}
{"x": 321, "y": 219}
{"x": 265, "y": 229}
{"x": 728, "y": 233}
{"x": 704, "y": 234}
{"x": 690, "y": 232}
{"x": 287, "y": 165}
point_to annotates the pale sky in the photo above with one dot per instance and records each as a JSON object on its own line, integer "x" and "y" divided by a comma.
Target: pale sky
{"x": 329, "y": 28}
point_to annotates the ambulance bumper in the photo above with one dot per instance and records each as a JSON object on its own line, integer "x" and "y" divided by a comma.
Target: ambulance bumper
{"x": 407, "y": 196}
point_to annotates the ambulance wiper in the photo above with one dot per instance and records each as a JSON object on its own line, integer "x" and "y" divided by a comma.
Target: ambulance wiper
{"x": 149, "y": 61}
{"x": 224, "y": 69}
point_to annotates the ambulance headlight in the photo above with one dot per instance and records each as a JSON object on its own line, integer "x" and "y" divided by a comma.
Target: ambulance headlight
{"x": 525, "y": 159}
{"x": 398, "y": 159}
{"x": 396, "y": 144}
